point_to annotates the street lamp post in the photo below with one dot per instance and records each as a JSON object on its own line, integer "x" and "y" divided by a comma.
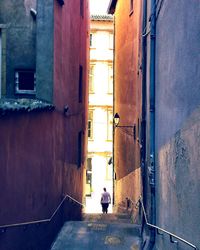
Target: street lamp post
{"x": 117, "y": 121}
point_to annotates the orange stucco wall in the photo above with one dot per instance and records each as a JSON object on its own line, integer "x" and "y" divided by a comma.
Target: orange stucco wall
{"x": 127, "y": 100}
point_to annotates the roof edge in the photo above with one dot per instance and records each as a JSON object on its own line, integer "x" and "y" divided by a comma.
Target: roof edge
{"x": 23, "y": 105}
{"x": 101, "y": 17}
{"x": 111, "y": 7}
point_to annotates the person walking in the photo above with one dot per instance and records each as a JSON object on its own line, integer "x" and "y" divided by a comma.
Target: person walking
{"x": 105, "y": 201}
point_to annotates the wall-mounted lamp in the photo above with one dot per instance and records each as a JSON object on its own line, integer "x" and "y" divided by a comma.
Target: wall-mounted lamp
{"x": 116, "y": 119}
{"x": 66, "y": 108}
{"x": 116, "y": 123}
{"x": 33, "y": 13}
{"x": 110, "y": 161}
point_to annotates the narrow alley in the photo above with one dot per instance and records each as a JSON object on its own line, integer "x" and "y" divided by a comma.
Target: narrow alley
{"x": 99, "y": 125}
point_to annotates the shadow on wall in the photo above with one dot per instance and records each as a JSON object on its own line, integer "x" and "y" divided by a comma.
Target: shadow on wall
{"x": 38, "y": 236}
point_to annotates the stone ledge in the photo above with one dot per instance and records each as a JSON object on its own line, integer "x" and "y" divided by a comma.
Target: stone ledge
{"x": 23, "y": 105}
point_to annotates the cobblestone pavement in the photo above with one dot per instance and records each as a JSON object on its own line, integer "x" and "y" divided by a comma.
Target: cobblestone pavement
{"x": 99, "y": 232}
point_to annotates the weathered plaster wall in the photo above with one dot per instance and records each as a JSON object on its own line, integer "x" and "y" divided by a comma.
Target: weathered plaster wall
{"x": 39, "y": 150}
{"x": 20, "y": 33}
{"x": 177, "y": 121}
{"x": 45, "y": 50}
{"x": 129, "y": 186}
{"x": 31, "y": 173}
{"x": 71, "y": 49}
{"x": 34, "y": 176}
{"x": 179, "y": 183}
{"x": 127, "y": 98}
{"x": 177, "y": 66}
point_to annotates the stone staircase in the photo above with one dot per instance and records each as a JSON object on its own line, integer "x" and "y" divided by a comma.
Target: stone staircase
{"x": 99, "y": 232}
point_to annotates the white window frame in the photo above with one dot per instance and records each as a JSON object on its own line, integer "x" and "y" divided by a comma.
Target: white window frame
{"x": 91, "y": 78}
{"x": 110, "y": 78}
{"x": 24, "y": 91}
{"x": 111, "y": 40}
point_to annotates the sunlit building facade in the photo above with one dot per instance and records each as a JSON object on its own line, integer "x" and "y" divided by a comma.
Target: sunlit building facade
{"x": 99, "y": 171}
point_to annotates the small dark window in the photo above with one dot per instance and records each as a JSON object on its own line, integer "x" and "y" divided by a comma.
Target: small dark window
{"x": 89, "y": 129}
{"x": 89, "y": 171}
{"x": 138, "y": 128}
{"x": 90, "y": 40}
{"x": 80, "y": 94}
{"x": 82, "y": 8}
{"x": 89, "y": 164}
{"x": 134, "y": 132}
{"x": 131, "y": 6}
{"x": 90, "y": 124}
{"x": 25, "y": 82}
{"x": 79, "y": 149}
{"x": 61, "y": 2}
{"x": 89, "y": 177}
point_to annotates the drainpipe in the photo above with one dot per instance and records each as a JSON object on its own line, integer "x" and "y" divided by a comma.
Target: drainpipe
{"x": 143, "y": 132}
{"x": 152, "y": 116}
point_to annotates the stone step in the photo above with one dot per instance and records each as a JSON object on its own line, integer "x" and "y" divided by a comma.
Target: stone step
{"x": 104, "y": 233}
{"x": 119, "y": 217}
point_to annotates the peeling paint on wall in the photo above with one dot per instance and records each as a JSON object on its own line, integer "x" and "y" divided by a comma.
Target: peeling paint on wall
{"x": 179, "y": 181}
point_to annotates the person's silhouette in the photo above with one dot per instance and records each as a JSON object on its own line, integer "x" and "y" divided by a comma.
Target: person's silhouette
{"x": 105, "y": 201}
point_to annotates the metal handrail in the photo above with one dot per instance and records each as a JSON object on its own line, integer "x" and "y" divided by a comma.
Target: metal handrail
{"x": 163, "y": 230}
{"x": 133, "y": 202}
{"x": 44, "y": 220}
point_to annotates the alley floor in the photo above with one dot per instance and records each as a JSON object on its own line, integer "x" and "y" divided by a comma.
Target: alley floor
{"x": 99, "y": 232}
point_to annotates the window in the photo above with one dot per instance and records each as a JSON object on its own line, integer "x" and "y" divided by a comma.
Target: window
{"x": 80, "y": 83}
{"x": 61, "y": 2}
{"x": 131, "y": 7}
{"x": 90, "y": 124}
{"x": 89, "y": 164}
{"x": 91, "y": 79}
{"x": 89, "y": 177}
{"x": 110, "y": 41}
{"x": 110, "y": 78}
{"x": 25, "y": 82}
{"x": 82, "y": 8}
{"x": 109, "y": 169}
{"x": 138, "y": 130}
{"x": 91, "y": 40}
{"x": 134, "y": 132}
{"x": 109, "y": 125}
{"x": 79, "y": 158}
